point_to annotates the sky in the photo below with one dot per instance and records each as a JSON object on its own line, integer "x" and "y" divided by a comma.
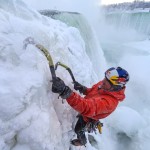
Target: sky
{"x": 107, "y": 2}
{"x": 70, "y": 5}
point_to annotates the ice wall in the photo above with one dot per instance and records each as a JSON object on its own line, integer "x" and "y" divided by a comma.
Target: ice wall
{"x": 31, "y": 116}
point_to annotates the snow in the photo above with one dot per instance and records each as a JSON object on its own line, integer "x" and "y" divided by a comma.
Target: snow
{"x": 129, "y": 125}
{"x": 31, "y": 116}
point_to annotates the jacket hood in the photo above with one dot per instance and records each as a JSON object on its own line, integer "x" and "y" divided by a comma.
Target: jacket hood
{"x": 119, "y": 95}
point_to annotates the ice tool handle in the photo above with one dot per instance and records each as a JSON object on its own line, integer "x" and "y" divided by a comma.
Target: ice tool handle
{"x": 49, "y": 58}
{"x": 45, "y": 52}
{"x": 67, "y": 68}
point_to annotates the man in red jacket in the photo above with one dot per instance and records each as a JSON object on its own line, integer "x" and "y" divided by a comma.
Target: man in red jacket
{"x": 99, "y": 101}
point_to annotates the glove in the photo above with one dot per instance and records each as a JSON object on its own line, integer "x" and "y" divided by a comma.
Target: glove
{"x": 59, "y": 87}
{"x": 66, "y": 93}
{"x": 78, "y": 87}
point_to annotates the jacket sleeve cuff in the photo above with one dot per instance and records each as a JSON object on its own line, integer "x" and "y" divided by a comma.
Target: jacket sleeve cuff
{"x": 71, "y": 96}
{"x": 87, "y": 91}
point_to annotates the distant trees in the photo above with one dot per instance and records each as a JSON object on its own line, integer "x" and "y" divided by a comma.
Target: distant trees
{"x": 128, "y": 6}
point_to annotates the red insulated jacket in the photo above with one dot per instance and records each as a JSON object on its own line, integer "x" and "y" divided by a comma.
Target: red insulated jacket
{"x": 97, "y": 103}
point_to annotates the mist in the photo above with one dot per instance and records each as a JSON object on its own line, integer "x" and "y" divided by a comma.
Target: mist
{"x": 89, "y": 8}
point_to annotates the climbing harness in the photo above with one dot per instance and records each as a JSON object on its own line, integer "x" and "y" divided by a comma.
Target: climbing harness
{"x": 93, "y": 125}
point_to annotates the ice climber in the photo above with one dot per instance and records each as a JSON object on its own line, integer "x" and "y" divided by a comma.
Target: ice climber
{"x": 99, "y": 101}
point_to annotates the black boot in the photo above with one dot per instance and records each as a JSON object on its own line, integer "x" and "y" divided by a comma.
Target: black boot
{"x": 76, "y": 142}
{"x": 81, "y": 139}
{"x": 79, "y": 130}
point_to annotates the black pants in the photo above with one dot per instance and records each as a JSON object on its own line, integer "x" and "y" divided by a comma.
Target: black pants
{"x": 79, "y": 130}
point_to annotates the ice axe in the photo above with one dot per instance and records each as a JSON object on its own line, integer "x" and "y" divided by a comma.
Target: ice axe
{"x": 67, "y": 68}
